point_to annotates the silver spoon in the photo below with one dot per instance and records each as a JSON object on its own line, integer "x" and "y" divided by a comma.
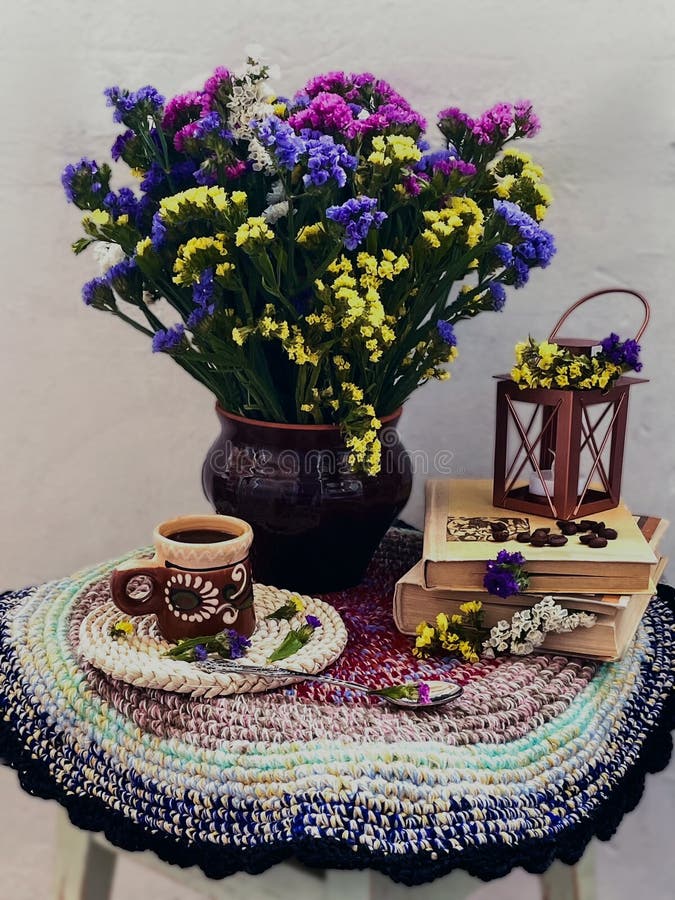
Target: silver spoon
{"x": 440, "y": 692}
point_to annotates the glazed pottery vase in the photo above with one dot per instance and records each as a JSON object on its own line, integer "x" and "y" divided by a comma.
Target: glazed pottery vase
{"x": 316, "y": 522}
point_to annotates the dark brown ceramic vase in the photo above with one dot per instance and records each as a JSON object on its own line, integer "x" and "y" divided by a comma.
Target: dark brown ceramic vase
{"x": 316, "y": 523}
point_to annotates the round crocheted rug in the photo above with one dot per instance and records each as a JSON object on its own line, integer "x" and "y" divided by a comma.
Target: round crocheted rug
{"x": 537, "y": 756}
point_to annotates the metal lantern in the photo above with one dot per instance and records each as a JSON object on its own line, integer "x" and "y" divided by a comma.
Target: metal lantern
{"x": 559, "y": 453}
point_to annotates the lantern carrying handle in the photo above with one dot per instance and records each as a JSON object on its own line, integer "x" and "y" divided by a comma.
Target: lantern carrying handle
{"x": 616, "y": 290}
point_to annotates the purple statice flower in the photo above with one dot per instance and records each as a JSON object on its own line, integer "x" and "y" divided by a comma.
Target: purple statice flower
{"x": 212, "y": 86}
{"x": 357, "y": 216}
{"x": 423, "y": 692}
{"x": 120, "y": 144}
{"x": 236, "y": 170}
{"x": 313, "y": 621}
{"x": 413, "y": 184}
{"x": 282, "y": 140}
{"x": 200, "y": 652}
{"x": 82, "y": 179}
{"x": 97, "y": 293}
{"x": 625, "y": 354}
{"x": 510, "y": 558}
{"x": 145, "y": 101}
{"x": 331, "y": 83}
{"x": 387, "y": 116}
{"x": 183, "y": 135}
{"x": 182, "y": 109}
{"x": 498, "y": 295}
{"x": 454, "y": 115}
{"x": 166, "y": 340}
{"x": 524, "y": 118}
{"x": 326, "y": 113}
{"x": 500, "y": 582}
{"x": 326, "y": 160}
{"x": 503, "y": 575}
{"x": 446, "y": 332}
{"x": 494, "y": 124}
{"x": 124, "y": 202}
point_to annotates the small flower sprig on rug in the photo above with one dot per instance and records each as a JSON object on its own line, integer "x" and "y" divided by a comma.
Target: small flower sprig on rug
{"x": 227, "y": 644}
{"x": 546, "y": 365}
{"x": 528, "y": 628}
{"x": 505, "y": 576}
{"x": 418, "y": 692}
{"x": 462, "y": 635}
{"x": 122, "y": 628}
{"x": 291, "y": 608}
{"x": 295, "y": 639}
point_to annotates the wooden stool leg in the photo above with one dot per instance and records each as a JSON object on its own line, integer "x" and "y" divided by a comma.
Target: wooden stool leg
{"x": 84, "y": 869}
{"x": 563, "y": 882}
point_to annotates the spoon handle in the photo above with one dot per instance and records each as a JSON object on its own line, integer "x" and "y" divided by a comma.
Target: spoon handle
{"x": 279, "y": 672}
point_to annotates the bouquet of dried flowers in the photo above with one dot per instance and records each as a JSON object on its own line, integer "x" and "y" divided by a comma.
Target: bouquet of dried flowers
{"x": 307, "y": 259}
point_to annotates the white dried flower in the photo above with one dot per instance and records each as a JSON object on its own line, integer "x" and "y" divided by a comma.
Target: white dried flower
{"x": 107, "y": 255}
{"x": 276, "y": 211}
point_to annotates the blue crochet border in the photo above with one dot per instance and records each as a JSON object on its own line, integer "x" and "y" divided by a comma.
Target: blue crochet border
{"x": 486, "y": 863}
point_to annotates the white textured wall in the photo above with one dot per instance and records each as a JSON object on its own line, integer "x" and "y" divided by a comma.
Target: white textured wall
{"x": 100, "y": 439}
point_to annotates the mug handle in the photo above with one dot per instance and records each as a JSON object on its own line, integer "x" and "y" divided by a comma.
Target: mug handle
{"x": 119, "y": 582}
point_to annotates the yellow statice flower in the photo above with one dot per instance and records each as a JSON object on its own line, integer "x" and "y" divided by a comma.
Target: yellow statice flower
{"x": 253, "y": 234}
{"x": 143, "y": 246}
{"x": 311, "y": 235}
{"x": 95, "y": 220}
{"x": 193, "y": 200}
{"x": 298, "y": 351}
{"x": 471, "y": 606}
{"x": 394, "y": 149}
{"x": 196, "y": 254}
{"x": 442, "y": 622}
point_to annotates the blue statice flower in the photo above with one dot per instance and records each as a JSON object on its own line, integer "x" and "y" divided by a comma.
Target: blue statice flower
{"x": 204, "y": 288}
{"x": 326, "y": 160}
{"x": 158, "y": 232}
{"x": 357, "y": 216}
{"x": 123, "y": 269}
{"x": 279, "y": 137}
{"x": 202, "y": 292}
{"x": 212, "y": 124}
{"x": 233, "y": 644}
{"x": 156, "y": 181}
{"x": 427, "y": 162}
{"x": 446, "y": 332}
{"x": 622, "y": 353}
{"x": 167, "y": 340}
{"x": 200, "y": 652}
{"x": 313, "y": 621}
{"x": 535, "y": 248}
{"x": 84, "y": 179}
{"x": 124, "y": 202}
{"x": 97, "y": 293}
{"x": 146, "y": 101}
{"x": 498, "y": 294}
{"x": 120, "y": 144}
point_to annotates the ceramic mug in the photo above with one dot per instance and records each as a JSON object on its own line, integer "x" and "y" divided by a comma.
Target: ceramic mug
{"x": 197, "y": 583}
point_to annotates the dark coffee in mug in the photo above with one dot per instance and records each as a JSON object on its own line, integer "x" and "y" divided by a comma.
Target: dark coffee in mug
{"x": 201, "y": 536}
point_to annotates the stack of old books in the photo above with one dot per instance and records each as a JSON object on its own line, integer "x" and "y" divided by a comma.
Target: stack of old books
{"x": 615, "y": 581}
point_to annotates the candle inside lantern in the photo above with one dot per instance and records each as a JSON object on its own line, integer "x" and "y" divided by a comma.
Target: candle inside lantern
{"x": 548, "y": 475}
